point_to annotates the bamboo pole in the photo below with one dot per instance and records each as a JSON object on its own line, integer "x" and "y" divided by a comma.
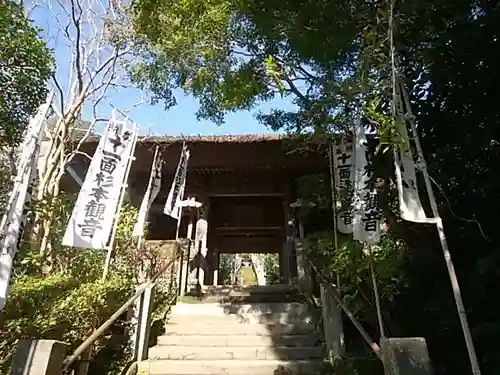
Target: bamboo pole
{"x": 376, "y": 296}
{"x": 444, "y": 243}
{"x": 109, "y": 253}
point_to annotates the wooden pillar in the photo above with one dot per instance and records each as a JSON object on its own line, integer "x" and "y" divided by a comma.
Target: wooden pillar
{"x": 286, "y": 251}
{"x": 184, "y": 266}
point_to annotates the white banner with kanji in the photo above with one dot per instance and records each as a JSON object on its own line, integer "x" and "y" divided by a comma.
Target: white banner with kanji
{"x": 152, "y": 191}
{"x": 173, "y": 205}
{"x": 343, "y": 165}
{"x": 93, "y": 216}
{"x": 13, "y": 218}
{"x": 366, "y": 208}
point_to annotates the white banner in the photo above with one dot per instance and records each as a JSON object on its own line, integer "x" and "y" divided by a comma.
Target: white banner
{"x": 93, "y": 216}
{"x": 12, "y": 221}
{"x": 406, "y": 178}
{"x": 366, "y": 209}
{"x": 152, "y": 191}
{"x": 173, "y": 205}
{"x": 343, "y": 165}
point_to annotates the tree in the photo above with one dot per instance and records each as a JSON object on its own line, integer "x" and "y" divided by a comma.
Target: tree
{"x": 25, "y": 66}
{"x": 84, "y": 81}
{"x": 232, "y": 55}
{"x": 244, "y": 52}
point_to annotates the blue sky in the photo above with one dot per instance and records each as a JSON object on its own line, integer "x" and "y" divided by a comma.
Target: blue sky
{"x": 181, "y": 119}
{"x": 152, "y": 119}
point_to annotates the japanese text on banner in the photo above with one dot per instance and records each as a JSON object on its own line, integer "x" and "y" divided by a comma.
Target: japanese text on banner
{"x": 343, "y": 164}
{"x": 93, "y": 217}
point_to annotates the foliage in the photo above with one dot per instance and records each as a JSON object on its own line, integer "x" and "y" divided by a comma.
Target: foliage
{"x": 5, "y": 182}
{"x": 232, "y": 55}
{"x": 62, "y": 304}
{"x": 226, "y": 269}
{"x": 58, "y": 307}
{"x": 352, "y": 263}
{"x": 272, "y": 268}
{"x": 25, "y": 66}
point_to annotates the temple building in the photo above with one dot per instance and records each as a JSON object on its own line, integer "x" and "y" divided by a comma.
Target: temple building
{"x": 245, "y": 184}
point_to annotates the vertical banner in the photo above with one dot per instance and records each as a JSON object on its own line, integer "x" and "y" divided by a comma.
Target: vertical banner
{"x": 410, "y": 205}
{"x": 93, "y": 216}
{"x": 173, "y": 205}
{"x": 12, "y": 220}
{"x": 154, "y": 186}
{"x": 366, "y": 208}
{"x": 343, "y": 165}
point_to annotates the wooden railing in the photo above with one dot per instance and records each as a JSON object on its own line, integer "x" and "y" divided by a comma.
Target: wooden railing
{"x": 146, "y": 289}
{"x": 331, "y": 290}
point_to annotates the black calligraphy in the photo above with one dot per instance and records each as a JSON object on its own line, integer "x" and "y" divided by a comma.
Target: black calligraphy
{"x": 372, "y": 214}
{"x": 109, "y": 162}
{"x": 95, "y": 209}
{"x": 344, "y": 183}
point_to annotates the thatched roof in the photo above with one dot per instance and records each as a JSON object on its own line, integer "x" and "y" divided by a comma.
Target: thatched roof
{"x": 244, "y": 138}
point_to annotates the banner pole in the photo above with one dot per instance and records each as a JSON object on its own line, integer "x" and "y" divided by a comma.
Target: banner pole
{"x": 442, "y": 238}
{"x": 109, "y": 248}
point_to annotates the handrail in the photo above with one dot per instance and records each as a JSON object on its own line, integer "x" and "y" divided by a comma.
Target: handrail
{"x": 332, "y": 288}
{"x": 99, "y": 331}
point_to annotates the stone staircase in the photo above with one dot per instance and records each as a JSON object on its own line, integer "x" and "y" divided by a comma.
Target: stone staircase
{"x": 263, "y": 330}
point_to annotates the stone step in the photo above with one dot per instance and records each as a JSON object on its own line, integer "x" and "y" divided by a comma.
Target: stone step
{"x": 232, "y": 340}
{"x": 239, "y": 308}
{"x": 236, "y": 290}
{"x": 254, "y": 298}
{"x": 229, "y": 367}
{"x": 233, "y": 328}
{"x": 235, "y": 352}
{"x": 248, "y": 294}
{"x": 244, "y": 318}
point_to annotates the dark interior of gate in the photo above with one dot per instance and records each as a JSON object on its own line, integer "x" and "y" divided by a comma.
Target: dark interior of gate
{"x": 247, "y": 224}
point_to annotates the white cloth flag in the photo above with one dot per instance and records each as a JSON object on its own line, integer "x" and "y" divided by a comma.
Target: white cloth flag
{"x": 366, "y": 211}
{"x": 152, "y": 191}
{"x": 96, "y": 207}
{"x": 173, "y": 205}
{"x": 343, "y": 165}
{"x": 410, "y": 205}
{"x": 11, "y": 225}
